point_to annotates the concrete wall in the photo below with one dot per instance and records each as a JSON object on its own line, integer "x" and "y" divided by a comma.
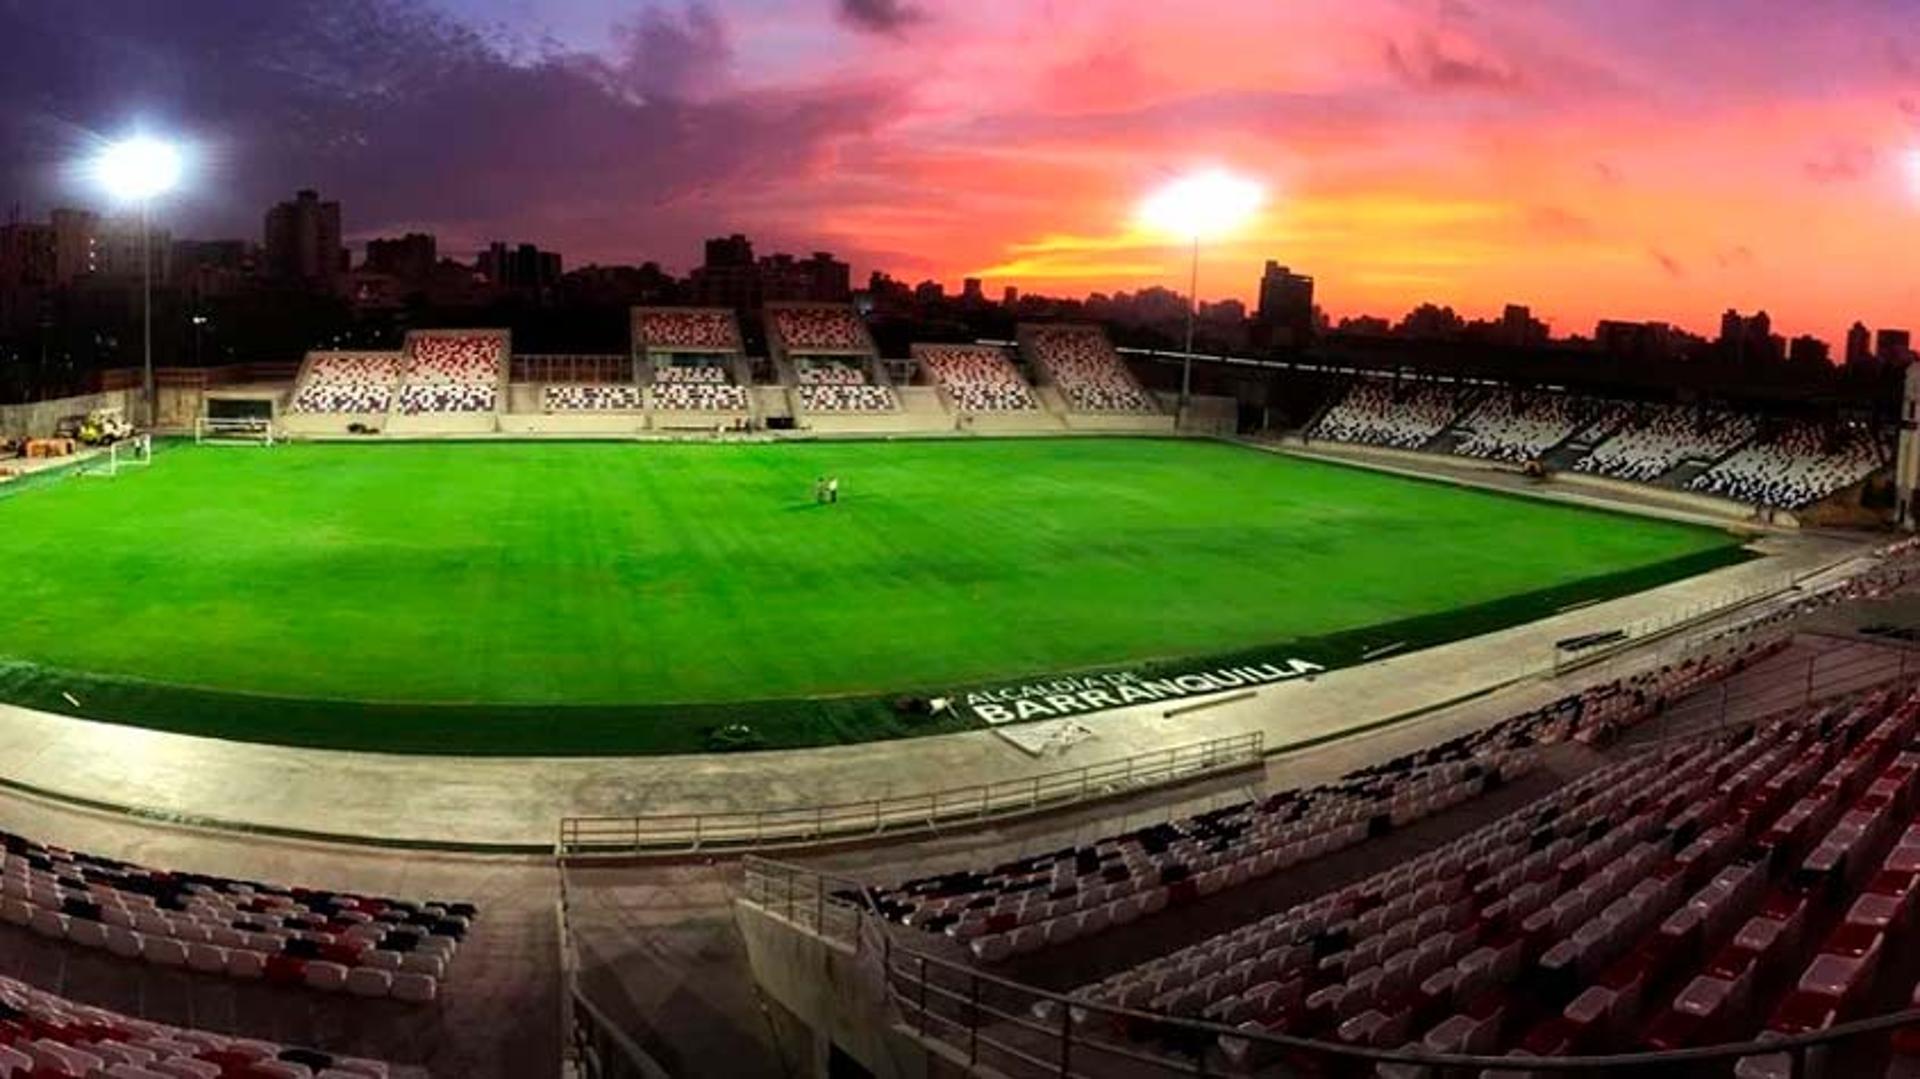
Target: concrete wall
{"x": 38, "y": 418}
{"x": 837, "y": 992}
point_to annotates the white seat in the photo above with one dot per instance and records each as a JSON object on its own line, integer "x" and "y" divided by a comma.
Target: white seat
{"x": 415, "y": 988}
{"x": 330, "y": 977}
{"x": 49, "y": 923}
{"x": 369, "y": 982}
{"x": 164, "y": 952}
{"x": 207, "y": 958}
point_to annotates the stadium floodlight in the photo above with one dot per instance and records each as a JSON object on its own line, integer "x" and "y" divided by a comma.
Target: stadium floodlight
{"x": 1201, "y": 205}
{"x": 141, "y": 168}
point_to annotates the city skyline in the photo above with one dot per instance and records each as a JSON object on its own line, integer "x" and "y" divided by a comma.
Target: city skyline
{"x": 1748, "y": 156}
{"x": 314, "y": 256}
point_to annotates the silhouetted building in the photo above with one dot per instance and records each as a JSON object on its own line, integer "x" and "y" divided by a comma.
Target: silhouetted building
{"x": 408, "y": 260}
{"x": 1519, "y": 327}
{"x": 1749, "y": 338}
{"x": 1893, "y": 346}
{"x": 1859, "y": 344}
{"x": 971, "y": 293}
{"x": 74, "y": 233}
{"x": 1636, "y": 342}
{"x": 732, "y": 277}
{"x": 119, "y": 248}
{"x": 27, "y": 255}
{"x": 1809, "y": 350}
{"x": 1010, "y": 296}
{"x": 302, "y": 244}
{"x": 1284, "y": 316}
{"x": 929, "y": 293}
{"x": 520, "y": 268}
{"x": 208, "y": 268}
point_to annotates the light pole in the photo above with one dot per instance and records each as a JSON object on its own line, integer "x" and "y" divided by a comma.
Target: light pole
{"x": 1203, "y": 204}
{"x": 140, "y": 169}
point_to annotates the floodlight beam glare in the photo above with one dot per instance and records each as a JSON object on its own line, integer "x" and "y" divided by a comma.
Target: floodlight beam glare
{"x": 139, "y": 168}
{"x": 1203, "y": 204}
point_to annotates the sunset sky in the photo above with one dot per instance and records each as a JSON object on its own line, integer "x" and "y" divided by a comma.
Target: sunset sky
{"x": 1593, "y": 158}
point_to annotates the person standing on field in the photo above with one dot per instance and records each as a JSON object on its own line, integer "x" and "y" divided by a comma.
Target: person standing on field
{"x": 833, "y": 489}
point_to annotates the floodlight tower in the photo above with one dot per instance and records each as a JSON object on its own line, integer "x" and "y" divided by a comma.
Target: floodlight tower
{"x": 1202, "y": 205}
{"x": 140, "y": 169}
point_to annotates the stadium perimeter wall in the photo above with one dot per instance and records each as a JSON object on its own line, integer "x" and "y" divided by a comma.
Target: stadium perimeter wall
{"x": 37, "y": 419}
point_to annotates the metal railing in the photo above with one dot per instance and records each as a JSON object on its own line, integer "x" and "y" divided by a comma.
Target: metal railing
{"x": 996, "y": 1025}
{"x": 812, "y": 825}
{"x": 592, "y": 1044}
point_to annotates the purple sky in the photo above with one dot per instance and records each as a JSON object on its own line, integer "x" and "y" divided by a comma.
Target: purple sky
{"x": 1635, "y": 158}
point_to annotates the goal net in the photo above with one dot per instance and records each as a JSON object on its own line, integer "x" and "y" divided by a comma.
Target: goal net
{"x": 233, "y": 431}
{"x": 135, "y": 451}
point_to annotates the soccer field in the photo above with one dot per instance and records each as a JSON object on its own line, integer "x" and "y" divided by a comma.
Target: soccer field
{"x": 655, "y": 589}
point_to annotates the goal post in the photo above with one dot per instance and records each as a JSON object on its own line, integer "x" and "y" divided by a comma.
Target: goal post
{"x": 233, "y": 431}
{"x": 134, "y": 451}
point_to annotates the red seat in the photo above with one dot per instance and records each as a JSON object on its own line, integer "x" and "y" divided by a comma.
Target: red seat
{"x": 286, "y": 970}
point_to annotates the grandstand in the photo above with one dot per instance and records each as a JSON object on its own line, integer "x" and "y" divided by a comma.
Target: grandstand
{"x": 693, "y": 358}
{"x": 1079, "y": 362}
{"x": 976, "y": 378}
{"x": 835, "y": 366}
{"x": 350, "y": 383}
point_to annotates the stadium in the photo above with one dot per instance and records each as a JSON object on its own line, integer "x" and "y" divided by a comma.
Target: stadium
{"x": 1069, "y": 727}
{"x": 1192, "y": 647}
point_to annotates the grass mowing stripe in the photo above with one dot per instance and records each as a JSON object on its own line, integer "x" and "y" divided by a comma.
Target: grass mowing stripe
{"x": 608, "y": 597}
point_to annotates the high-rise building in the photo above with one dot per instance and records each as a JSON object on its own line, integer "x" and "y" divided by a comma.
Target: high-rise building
{"x": 1750, "y": 338}
{"x": 26, "y": 255}
{"x": 1893, "y": 346}
{"x": 302, "y": 245}
{"x": 829, "y": 280}
{"x": 522, "y": 267}
{"x": 1284, "y": 316}
{"x": 732, "y": 277}
{"x": 74, "y": 233}
{"x": 1519, "y": 327}
{"x": 119, "y": 246}
{"x": 1010, "y": 296}
{"x": 1807, "y": 349}
{"x": 1859, "y": 344}
{"x": 1636, "y": 342}
{"x": 410, "y": 259}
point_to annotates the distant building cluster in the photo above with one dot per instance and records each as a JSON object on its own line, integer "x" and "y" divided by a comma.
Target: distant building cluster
{"x": 63, "y": 300}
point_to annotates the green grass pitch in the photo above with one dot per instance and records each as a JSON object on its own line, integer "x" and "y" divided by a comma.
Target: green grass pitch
{"x": 653, "y": 589}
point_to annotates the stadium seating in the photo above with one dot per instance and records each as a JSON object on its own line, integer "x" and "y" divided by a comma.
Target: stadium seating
{"x": 819, "y": 329}
{"x": 1796, "y": 465}
{"x": 1517, "y": 425}
{"x": 331, "y": 941}
{"x": 43, "y": 1036}
{"x": 1672, "y": 899}
{"x": 453, "y": 372}
{"x": 843, "y": 398}
{"x": 1376, "y": 412}
{"x": 696, "y": 329}
{"x": 978, "y": 378}
{"x": 1660, "y": 437}
{"x": 1086, "y": 369}
{"x": 711, "y": 373}
{"x": 818, "y": 372}
{"x": 349, "y": 382}
{"x": 699, "y": 397}
{"x": 831, "y": 385}
{"x": 592, "y": 397}
{"x": 1035, "y": 902}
